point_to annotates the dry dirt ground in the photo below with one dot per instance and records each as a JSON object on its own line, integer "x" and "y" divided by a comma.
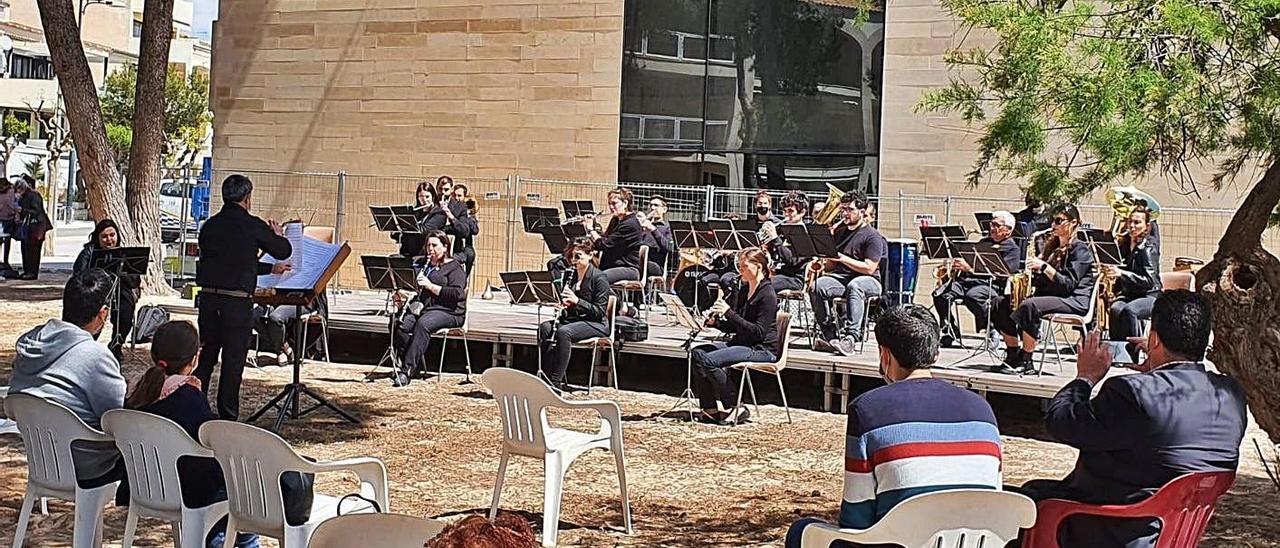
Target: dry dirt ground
{"x": 691, "y": 484}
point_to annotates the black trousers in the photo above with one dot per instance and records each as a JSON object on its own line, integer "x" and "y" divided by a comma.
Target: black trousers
{"x": 974, "y": 294}
{"x": 1026, "y": 319}
{"x": 31, "y": 256}
{"x": 421, "y": 328}
{"x": 122, "y": 321}
{"x": 783, "y": 282}
{"x": 1127, "y": 315}
{"x": 620, "y": 273}
{"x": 225, "y": 325}
{"x": 557, "y": 346}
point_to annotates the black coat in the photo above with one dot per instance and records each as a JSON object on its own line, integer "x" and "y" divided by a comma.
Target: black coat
{"x": 593, "y": 297}
{"x": 464, "y": 228}
{"x": 620, "y": 245}
{"x": 784, "y": 260}
{"x": 753, "y": 321}
{"x": 1140, "y": 273}
{"x": 1073, "y": 277}
{"x": 452, "y": 278}
{"x": 229, "y": 246}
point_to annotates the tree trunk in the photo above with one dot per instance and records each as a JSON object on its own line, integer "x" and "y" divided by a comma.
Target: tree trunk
{"x": 1243, "y": 284}
{"x": 105, "y": 192}
{"x": 143, "y": 186}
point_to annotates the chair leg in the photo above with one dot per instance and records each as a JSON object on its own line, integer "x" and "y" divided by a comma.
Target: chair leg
{"x": 229, "y": 538}
{"x": 90, "y": 505}
{"x": 552, "y": 487}
{"x": 591, "y": 378}
{"x": 497, "y": 486}
{"x": 175, "y": 529}
{"x": 742, "y": 384}
{"x": 613, "y": 365}
{"x": 444, "y": 346}
{"x": 783, "y": 391}
{"x": 131, "y": 528}
{"x": 24, "y": 517}
{"x": 324, "y": 332}
{"x": 621, "y": 463}
{"x": 466, "y": 349}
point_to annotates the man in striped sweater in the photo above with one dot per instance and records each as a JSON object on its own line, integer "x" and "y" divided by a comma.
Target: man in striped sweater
{"x": 915, "y": 435}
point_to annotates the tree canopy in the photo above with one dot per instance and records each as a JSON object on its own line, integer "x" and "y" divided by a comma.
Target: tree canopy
{"x": 186, "y": 117}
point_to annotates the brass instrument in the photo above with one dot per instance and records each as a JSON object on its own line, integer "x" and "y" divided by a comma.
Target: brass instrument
{"x": 1187, "y": 264}
{"x": 831, "y": 208}
{"x": 942, "y": 274}
{"x": 1106, "y": 294}
{"x": 813, "y": 271}
{"x": 1020, "y": 283}
{"x": 767, "y": 233}
{"x": 1124, "y": 199}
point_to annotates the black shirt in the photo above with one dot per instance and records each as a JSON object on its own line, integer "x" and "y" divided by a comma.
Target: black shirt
{"x": 229, "y": 246}
{"x": 620, "y": 246}
{"x": 593, "y": 293}
{"x": 1073, "y": 273}
{"x": 753, "y": 320}
{"x": 463, "y": 228}
{"x": 660, "y": 242}
{"x": 865, "y": 244}
{"x": 784, "y": 259}
{"x": 1140, "y": 273}
{"x": 452, "y": 278}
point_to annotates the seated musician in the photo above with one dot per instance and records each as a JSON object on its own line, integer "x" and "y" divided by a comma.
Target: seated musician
{"x": 788, "y": 268}
{"x": 764, "y": 208}
{"x": 106, "y": 235}
{"x": 977, "y": 292}
{"x": 441, "y": 302}
{"x": 619, "y": 246}
{"x": 657, "y": 235}
{"x": 430, "y": 217}
{"x": 585, "y": 299}
{"x": 1062, "y": 278}
{"x": 275, "y": 324}
{"x": 461, "y": 224}
{"x": 752, "y": 320}
{"x": 1137, "y": 281}
{"x": 854, "y": 275}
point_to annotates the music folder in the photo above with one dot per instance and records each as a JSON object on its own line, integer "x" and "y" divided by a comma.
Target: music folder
{"x": 810, "y": 240}
{"x": 389, "y": 273}
{"x": 121, "y": 260}
{"x": 401, "y": 218}
{"x": 530, "y": 287}
{"x": 536, "y": 218}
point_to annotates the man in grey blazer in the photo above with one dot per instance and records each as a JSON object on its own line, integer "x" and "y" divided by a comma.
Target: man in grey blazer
{"x": 1142, "y": 431}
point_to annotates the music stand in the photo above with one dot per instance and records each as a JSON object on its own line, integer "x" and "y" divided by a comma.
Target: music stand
{"x": 987, "y": 264}
{"x": 578, "y": 208}
{"x": 685, "y": 319}
{"x": 1106, "y": 249}
{"x": 400, "y": 218}
{"x": 534, "y": 287}
{"x": 120, "y": 261}
{"x": 390, "y": 274}
{"x": 537, "y": 217}
{"x": 810, "y": 240}
{"x": 559, "y": 237}
{"x": 984, "y": 221}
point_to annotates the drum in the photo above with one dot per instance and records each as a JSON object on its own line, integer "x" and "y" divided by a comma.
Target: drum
{"x": 689, "y": 287}
{"x": 900, "y": 270}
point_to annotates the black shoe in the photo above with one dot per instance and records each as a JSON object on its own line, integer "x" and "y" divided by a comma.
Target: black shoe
{"x": 717, "y": 418}
{"x": 27, "y": 277}
{"x": 401, "y": 379}
{"x": 1026, "y": 363}
{"x": 946, "y": 341}
{"x": 821, "y": 345}
{"x": 565, "y": 388}
{"x": 738, "y": 415}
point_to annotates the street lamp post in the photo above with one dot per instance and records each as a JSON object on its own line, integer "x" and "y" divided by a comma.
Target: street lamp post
{"x": 72, "y": 162}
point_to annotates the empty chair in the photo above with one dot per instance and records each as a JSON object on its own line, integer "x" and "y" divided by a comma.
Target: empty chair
{"x": 1183, "y": 506}
{"x": 47, "y": 430}
{"x": 375, "y": 531}
{"x": 784, "y": 335}
{"x": 523, "y": 400}
{"x": 151, "y": 445}
{"x": 961, "y": 518}
{"x": 253, "y": 460}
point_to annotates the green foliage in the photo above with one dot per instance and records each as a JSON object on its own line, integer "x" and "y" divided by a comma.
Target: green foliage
{"x": 15, "y": 128}
{"x": 1077, "y": 93}
{"x": 35, "y": 168}
{"x": 120, "y": 139}
{"x": 186, "y": 113}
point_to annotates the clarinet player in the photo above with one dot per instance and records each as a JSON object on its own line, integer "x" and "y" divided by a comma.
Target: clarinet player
{"x": 584, "y": 305}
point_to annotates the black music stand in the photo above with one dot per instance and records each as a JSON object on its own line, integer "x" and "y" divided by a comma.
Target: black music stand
{"x": 559, "y": 237}
{"x": 534, "y": 287}
{"x": 939, "y": 240}
{"x": 984, "y": 221}
{"x": 402, "y": 218}
{"x": 536, "y": 218}
{"x": 810, "y": 240}
{"x": 578, "y": 208}
{"x": 120, "y": 261}
{"x": 688, "y": 320}
{"x": 390, "y": 274}
{"x": 1106, "y": 249}
{"x": 693, "y": 234}
{"x": 985, "y": 263}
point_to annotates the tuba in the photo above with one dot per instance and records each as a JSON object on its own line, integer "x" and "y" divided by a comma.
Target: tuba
{"x": 1124, "y": 199}
{"x": 830, "y": 208}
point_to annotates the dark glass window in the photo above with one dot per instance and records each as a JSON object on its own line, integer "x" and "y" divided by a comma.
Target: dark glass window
{"x": 30, "y": 68}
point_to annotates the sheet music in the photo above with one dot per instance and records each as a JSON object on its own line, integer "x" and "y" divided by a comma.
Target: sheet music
{"x": 310, "y": 259}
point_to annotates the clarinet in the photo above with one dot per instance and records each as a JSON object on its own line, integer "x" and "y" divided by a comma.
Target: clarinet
{"x": 567, "y": 279}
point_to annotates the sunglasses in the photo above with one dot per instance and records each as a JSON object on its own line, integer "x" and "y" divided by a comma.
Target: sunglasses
{"x": 1060, "y": 220}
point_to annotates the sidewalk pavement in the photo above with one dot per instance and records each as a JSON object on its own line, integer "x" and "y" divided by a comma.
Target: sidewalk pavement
{"x": 68, "y": 240}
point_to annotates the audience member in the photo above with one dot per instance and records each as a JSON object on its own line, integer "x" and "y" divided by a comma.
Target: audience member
{"x": 168, "y": 389}
{"x": 474, "y": 531}
{"x": 915, "y": 435}
{"x": 8, "y": 224}
{"x": 61, "y": 361}
{"x": 1142, "y": 431}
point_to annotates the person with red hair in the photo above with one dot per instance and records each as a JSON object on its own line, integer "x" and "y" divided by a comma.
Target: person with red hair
{"x": 474, "y": 531}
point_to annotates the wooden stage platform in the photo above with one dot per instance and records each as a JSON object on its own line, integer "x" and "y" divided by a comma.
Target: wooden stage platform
{"x": 505, "y": 325}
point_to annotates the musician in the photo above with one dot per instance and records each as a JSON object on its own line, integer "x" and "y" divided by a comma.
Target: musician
{"x": 441, "y": 303}
{"x": 977, "y": 292}
{"x": 1063, "y": 279}
{"x": 563, "y": 262}
{"x": 106, "y": 235}
{"x": 657, "y": 235}
{"x": 854, "y": 275}
{"x": 425, "y": 199}
{"x": 788, "y": 268}
{"x": 461, "y": 223}
{"x": 619, "y": 246}
{"x": 1137, "y": 282}
{"x": 764, "y": 208}
{"x": 751, "y": 319}
{"x": 585, "y": 302}
{"x": 227, "y": 275}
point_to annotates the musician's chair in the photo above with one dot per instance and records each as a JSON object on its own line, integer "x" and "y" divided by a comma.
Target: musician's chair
{"x": 606, "y": 344}
{"x": 457, "y": 332}
{"x": 784, "y": 334}
{"x": 1056, "y": 322}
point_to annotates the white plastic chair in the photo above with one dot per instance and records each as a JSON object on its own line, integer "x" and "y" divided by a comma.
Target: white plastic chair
{"x": 375, "y": 531}
{"x": 151, "y": 445}
{"x": 783, "y": 327}
{"x": 596, "y": 344}
{"x": 1073, "y": 320}
{"x": 252, "y": 461}
{"x": 961, "y": 518}
{"x": 522, "y": 401}
{"x": 47, "y": 430}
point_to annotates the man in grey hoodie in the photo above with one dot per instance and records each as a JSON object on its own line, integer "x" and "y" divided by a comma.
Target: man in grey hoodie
{"x": 61, "y": 361}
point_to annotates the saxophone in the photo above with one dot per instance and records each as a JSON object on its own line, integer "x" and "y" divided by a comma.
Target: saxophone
{"x": 1020, "y": 283}
{"x": 1106, "y": 295}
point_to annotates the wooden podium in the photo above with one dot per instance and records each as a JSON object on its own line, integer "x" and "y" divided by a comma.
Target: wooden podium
{"x": 288, "y": 402}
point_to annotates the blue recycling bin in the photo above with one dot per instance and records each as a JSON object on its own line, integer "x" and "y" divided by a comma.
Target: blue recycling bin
{"x": 200, "y": 202}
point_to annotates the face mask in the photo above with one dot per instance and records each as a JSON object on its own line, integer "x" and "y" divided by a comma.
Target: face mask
{"x": 762, "y": 210}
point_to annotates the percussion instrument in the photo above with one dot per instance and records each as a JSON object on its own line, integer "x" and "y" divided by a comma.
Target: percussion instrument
{"x": 689, "y": 287}
{"x": 900, "y": 271}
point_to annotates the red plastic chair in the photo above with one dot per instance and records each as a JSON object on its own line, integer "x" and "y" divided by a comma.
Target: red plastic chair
{"x": 1183, "y": 506}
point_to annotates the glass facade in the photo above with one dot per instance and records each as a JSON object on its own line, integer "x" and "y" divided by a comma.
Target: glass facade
{"x": 751, "y": 93}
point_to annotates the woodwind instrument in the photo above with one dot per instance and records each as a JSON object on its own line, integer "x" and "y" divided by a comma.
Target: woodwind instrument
{"x": 1020, "y": 283}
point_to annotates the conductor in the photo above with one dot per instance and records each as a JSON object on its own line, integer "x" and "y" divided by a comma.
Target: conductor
{"x": 227, "y": 275}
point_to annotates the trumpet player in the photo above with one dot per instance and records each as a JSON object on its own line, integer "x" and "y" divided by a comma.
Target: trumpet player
{"x": 976, "y": 292}
{"x": 461, "y": 225}
{"x": 657, "y": 235}
{"x": 1062, "y": 276}
{"x": 584, "y": 304}
{"x": 1137, "y": 282}
{"x": 854, "y": 275}
{"x": 788, "y": 269}
{"x": 751, "y": 319}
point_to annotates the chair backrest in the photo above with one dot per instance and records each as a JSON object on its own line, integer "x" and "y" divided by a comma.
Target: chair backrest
{"x": 47, "y": 430}
{"x": 644, "y": 264}
{"x": 961, "y": 518}
{"x": 252, "y": 461}
{"x": 377, "y": 530}
{"x": 1178, "y": 280}
{"x": 611, "y": 314}
{"x": 150, "y": 445}
{"x": 322, "y": 233}
{"x": 522, "y": 401}
{"x": 784, "y": 335}
{"x": 1185, "y": 505}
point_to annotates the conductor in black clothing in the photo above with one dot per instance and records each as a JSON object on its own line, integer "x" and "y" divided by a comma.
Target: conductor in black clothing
{"x": 977, "y": 292}
{"x": 585, "y": 302}
{"x": 441, "y": 302}
{"x": 619, "y": 246}
{"x": 227, "y": 275}
{"x": 1142, "y": 431}
{"x": 752, "y": 319}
